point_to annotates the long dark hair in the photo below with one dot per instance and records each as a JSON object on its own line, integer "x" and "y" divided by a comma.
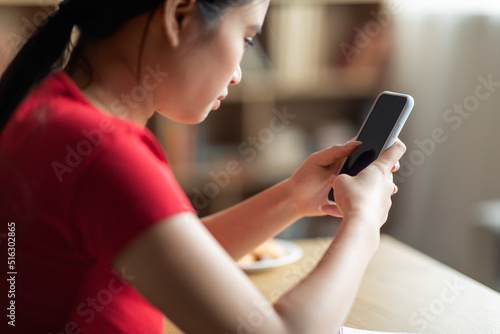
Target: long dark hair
{"x": 96, "y": 19}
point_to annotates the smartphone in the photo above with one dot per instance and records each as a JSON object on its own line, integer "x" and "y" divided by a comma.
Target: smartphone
{"x": 380, "y": 129}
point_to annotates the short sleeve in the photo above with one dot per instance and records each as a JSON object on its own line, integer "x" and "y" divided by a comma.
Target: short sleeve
{"x": 126, "y": 190}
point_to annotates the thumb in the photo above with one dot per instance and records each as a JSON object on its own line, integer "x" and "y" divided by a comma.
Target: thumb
{"x": 331, "y": 210}
{"x": 392, "y": 155}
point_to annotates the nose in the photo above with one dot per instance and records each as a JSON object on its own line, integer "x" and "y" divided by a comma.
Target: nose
{"x": 236, "y": 78}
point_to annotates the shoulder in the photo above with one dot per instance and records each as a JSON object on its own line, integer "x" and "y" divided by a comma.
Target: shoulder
{"x": 70, "y": 114}
{"x": 65, "y": 135}
{"x": 74, "y": 134}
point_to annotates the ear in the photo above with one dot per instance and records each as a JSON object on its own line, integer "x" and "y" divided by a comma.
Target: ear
{"x": 176, "y": 15}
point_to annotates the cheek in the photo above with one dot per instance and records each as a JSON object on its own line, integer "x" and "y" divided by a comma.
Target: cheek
{"x": 223, "y": 58}
{"x": 188, "y": 94}
{"x": 182, "y": 103}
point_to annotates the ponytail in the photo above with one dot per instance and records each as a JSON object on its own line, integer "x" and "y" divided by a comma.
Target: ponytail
{"x": 33, "y": 62}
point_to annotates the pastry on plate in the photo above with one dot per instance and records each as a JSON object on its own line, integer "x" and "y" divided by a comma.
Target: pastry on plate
{"x": 270, "y": 249}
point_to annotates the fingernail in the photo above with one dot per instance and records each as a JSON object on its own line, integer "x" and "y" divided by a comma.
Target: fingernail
{"x": 352, "y": 143}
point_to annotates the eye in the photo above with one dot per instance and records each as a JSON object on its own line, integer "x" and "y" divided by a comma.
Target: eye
{"x": 249, "y": 42}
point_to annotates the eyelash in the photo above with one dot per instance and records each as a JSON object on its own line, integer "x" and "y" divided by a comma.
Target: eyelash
{"x": 249, "y": 42}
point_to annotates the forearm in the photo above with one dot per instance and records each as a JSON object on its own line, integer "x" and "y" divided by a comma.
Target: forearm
{"x": 243, "y": 227}
{"x": 321, "y": 302}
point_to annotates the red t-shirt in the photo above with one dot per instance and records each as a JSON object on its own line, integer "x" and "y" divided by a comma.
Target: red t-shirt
{"x": 77, "y": 186}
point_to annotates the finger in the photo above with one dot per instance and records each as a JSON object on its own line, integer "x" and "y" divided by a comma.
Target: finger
{"x": 396, "y": 189}
{"x": 396, "y": 167}
{"x": 391, "y": 156}
{"x": 328, "y": 156}
{"x": 331, "y": 210}
{"x": 352, "y": 139}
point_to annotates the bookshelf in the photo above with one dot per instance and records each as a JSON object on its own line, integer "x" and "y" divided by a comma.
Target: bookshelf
{"x": 297, "y": 68}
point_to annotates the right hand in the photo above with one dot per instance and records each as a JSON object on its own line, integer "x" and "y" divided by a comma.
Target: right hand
{"x": 368, "y": 194}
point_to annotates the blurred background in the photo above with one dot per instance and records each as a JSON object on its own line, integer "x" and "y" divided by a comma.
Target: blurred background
{"x": 307, "y": 84}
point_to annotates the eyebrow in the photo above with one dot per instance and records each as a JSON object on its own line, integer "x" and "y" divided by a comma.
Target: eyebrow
{"x": 256, "y": 28}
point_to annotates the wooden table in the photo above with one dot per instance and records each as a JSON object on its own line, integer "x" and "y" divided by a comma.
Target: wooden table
{"x": 403, "y": 290}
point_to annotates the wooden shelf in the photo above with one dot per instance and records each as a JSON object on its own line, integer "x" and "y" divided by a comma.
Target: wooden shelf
{"x": 258, "y": 87}
{"x": 325, "y": 2}
{"x": 38, "y": 3}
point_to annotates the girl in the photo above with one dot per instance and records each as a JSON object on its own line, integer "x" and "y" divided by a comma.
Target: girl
{"x": 106, "y": 241}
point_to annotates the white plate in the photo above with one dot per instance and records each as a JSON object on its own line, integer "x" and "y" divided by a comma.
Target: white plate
{"x": 293, "y": 253}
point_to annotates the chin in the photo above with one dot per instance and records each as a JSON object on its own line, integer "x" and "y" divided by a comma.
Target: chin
{"x": 194, "y": 119}
{"x": 186, "y": 117}
{"x": 197, "y": 118}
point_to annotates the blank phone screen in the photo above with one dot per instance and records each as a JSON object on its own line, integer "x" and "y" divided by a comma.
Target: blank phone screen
{"x": 375, "y": 132}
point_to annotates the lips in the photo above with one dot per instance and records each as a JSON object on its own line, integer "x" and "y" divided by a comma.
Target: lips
{"x": 218, "y": 102}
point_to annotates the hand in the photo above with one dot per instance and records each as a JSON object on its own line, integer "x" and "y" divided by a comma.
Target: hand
{"x": 309, "y": 185}
{"x": 368, "y": 194}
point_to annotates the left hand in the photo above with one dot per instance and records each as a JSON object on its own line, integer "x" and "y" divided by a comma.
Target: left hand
{"x": 310, "y": 184}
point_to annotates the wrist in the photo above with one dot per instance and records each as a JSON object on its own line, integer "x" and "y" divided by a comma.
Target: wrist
{"x": 362, "y": 227}
{"x": 287, "y": 189}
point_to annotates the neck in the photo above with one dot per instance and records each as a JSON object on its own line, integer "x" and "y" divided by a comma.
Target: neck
{"x": 115, "y": 86}
{"x": 122, "y": 97}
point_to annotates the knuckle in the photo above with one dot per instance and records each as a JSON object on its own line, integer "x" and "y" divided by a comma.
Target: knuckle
{"x": 380, "y": 168}
{"x": 314, "y": 157}
{"x": 341, "y": 178}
